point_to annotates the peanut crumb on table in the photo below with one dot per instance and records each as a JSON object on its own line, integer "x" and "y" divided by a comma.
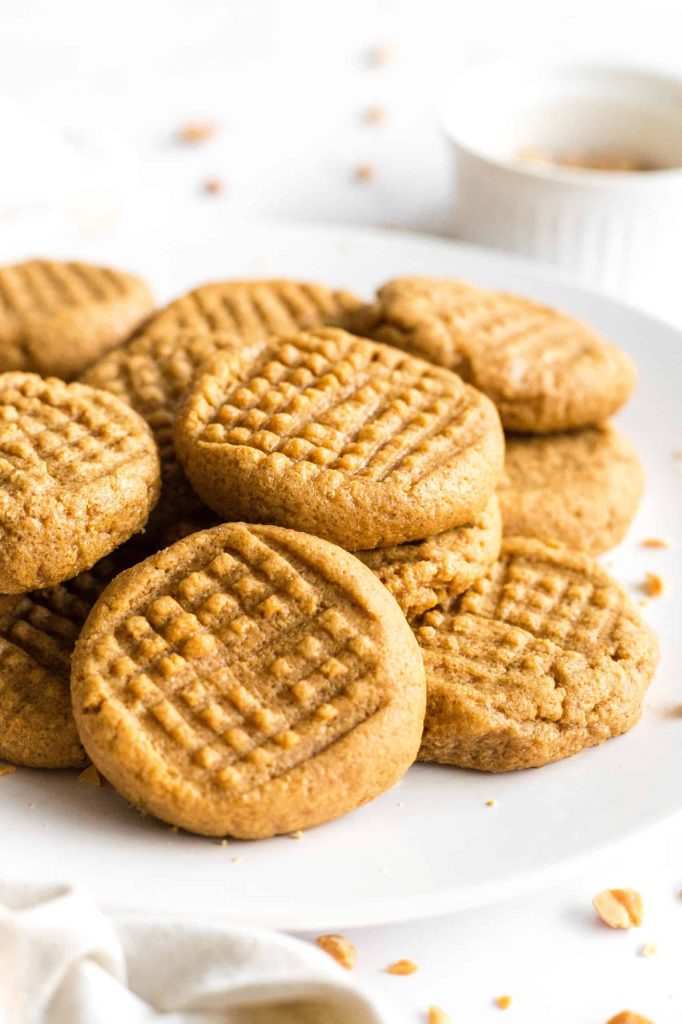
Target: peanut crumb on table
{"x": 90, "y": 776}
{"x": 629, "y": 1017}
{"x": 655, "y": 542}
{"x": 437, "y": 1016}
{"x": 375, "y": 114}
{"x": 193, "y": 133}
{"x": 365, "y": 172}
{"x": 339, "y": 948}
{"x": 7, "y": 769}
{"x": 402, "y": 967}
{"x": 381, "y": 55}
{"x": 653, "y": 585}
{"x": 503, "y": 1002}
{"x": 213, "y": 187}
{"x": 648, "y": 949}
{"x": 296, "y": 835}
{"x": 619, "y": 908}
{"x": 491, "y": 803}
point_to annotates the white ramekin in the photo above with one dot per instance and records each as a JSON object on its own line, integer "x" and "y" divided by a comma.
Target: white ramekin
{"x": 620, "y": 231}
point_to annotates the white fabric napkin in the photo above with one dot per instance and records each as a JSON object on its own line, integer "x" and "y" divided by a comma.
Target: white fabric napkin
{"x": 62, "y": 961}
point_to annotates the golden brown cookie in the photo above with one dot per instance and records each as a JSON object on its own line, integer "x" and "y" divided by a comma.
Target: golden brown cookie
{"x": 79, "y": 473}
{"x": 582, "y": 488}
{"x": 254, "y": 309}
{"x": 338, "y": 436}
{"x": 424, "y": 572}
{"x": 544, "y": 370}
{"x": 151, "y": 374}
{"x": 57, "y": 317}
{"x": 248, "y": 680}
{"x": 544, "y": 656}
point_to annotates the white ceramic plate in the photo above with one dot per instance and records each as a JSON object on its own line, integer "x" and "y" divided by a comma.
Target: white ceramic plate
{"x": 431, "y": 844}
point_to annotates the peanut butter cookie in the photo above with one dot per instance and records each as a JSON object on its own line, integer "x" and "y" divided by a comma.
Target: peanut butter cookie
{"x": 544, "y": 656}
{"x": 57, "y": 317}
{"x": 422, "y": 573}
{"x": 249, "y": 681}
{"x": 582, "y": 488}
{"x": 544, "y": 370}
{"x": 341, "y": 437}
{"x": 79, "y": 473}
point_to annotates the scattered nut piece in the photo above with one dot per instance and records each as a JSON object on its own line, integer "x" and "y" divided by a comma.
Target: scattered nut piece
{"x": 619, "y": 908}
{"x": 491, "y": 803}
{"x": 381, "y": 55}
{"x": 174, "y": 829}
{"x": 402, "y": 967}
{"x": 223, "y": 842}
{"x": 365, "y": 172}
{"x": 235, "y": 860}
{"x": 655, "y": 542}
{"x": 375, "y": 114}
{"x": 194, "y": 132}
{"x": 296, "y": 835}
{"x": 437, "y": 1016}
{"x": 214, "y": 187}
{"x": 503, "y": 1002}
{"x": 648, "y": 949}
{"x": 7, "y": 769}
{"x": 678, "y": 454}
{"x": 340, "y": 949}
{"x": 628, "y": 1017}
{"x": 653, "y": 585}
{"x": 90, "y": 776}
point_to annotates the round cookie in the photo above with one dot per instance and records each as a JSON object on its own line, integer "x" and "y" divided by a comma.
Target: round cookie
{"x": 582, "y": 488}
{"x": 544, "y": 370}
{"x": 253, "y": 309}
{"x": 544, "y": 656}
{"x": 79, "y": 473}
{"x": 341, "y": 437}
{"x": 152, "y": 372}
{"x": 55, "y": 317}
{"x": 38, "y": 632}
{"x": 422, "y": 573}
{"x": 248, "y": 680}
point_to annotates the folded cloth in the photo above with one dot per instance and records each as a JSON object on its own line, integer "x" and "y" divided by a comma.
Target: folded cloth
{"x": 62, "y": 961}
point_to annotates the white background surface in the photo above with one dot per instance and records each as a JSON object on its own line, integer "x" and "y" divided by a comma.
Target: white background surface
{"x": 288, "y": 83}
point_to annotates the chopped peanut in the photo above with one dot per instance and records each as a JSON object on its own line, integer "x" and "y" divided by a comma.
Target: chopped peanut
{"x": 628, "y": 1017}
{"x": 653, "y": 585}
{"x": 381, "y": 55}
{"x": 340, "y": 949}
{"x": 194, "y": 132}
{"x": 648, "y": 949}
{"x": 375, "y": 114}
{"x": 365, "y": 172}
{"x": 619, "y": 908}
{"x": 437, "y": 1016}
{"x": 90, "y": 776}
{"x": 214, "y": 187}
{"x": 402, "y": 967}
{"x": 503, "y": 1002}
{"x": 491, "y": 803}
{"x": 655, "y": 542}
{"x": 7, "y": 769}
{"x": 296, "y": 835}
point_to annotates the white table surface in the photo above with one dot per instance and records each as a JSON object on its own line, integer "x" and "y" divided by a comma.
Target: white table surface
{"x": 287, "y": 84}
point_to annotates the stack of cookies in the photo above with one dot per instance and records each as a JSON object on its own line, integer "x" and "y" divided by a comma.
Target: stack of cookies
{"x": 321, "y": 593}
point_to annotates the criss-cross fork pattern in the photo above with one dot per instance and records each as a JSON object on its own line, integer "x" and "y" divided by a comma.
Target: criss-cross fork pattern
{"x": 50, "y": 431}
{"x": 534, "y": 612}
{"x": 43, "y": 287}
{"x": 330, "y": 402}
{"x": 243, "y": 667}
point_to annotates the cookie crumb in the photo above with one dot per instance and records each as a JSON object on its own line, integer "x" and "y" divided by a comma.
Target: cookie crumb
{"x": 296, "y": 835}
{"x": 365, "y": 172}
{"x": 235, "y": 860}
{"x": 90, "y": 776}
{"x": 402, "y": 967}
{"x": 628, "y": 1017}
{"x": 339, "y": 948}
{"x": 223, "y": 842}
{"x": 648, "y": 949}
{"x": 503, "y": 1002}
{"x": 619, "y": 908}
{"x": 491, "y": 803}
{"x": 655, "y": 542}
{"x": 7, "y": 769}
{"x": 375, "y": 114}
{"x": 381, "y": 55}
{"x": 173, "y": 829}
{"x": 213, "y": 187}
{"x": 193, "y": 133}
{"x": 653, "y": 585}
{"x": 437, "y": 1016}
